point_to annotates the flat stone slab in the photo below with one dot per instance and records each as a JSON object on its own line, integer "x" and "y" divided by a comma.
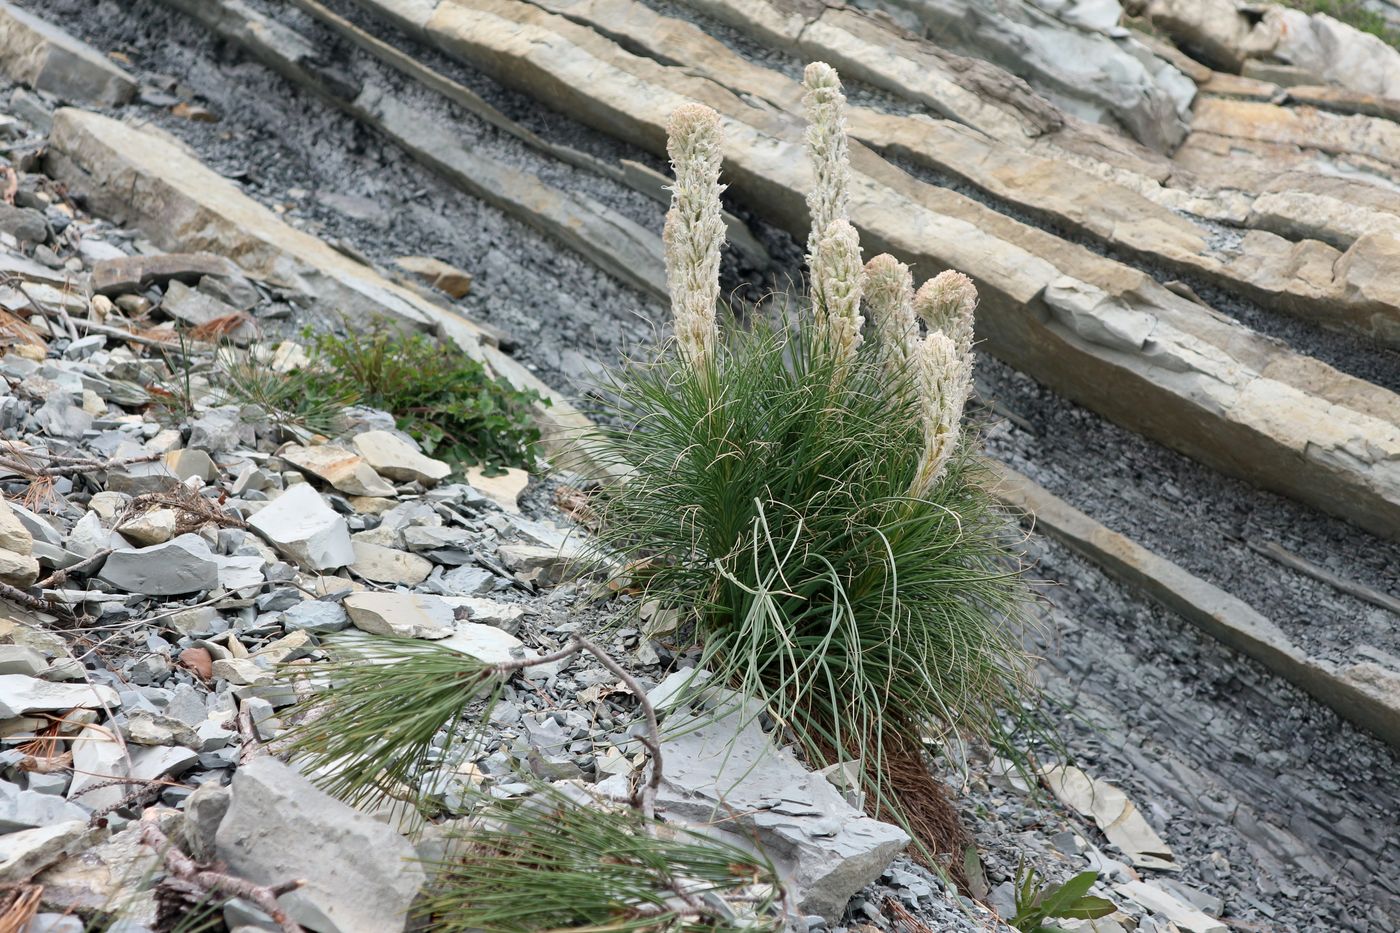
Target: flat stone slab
{"x": 1365, "y": 692}
{"x": 137, "y": 273}
{"x": 182, "y": 565}
{"x": 727, "y": 772}
{"x": 43, "y": 56}
{"x": 407, "y": 615}
{"x": 361, "y": 875}
{"x": 21, "y": 694}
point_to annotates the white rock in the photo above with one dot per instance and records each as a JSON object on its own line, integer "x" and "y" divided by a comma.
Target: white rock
{"x": 98, "y": 756}
{"x": 408, "y": 615}
{"x": 397, "y": 459}
{"x": 346, "y": 471}
{"x": 90, "y": 535}
{"x": 21, "y": 694}
{"x": 1110, "y": 808}
{"x": 301, "y": 526}
{"x": 389, "y": 565}
{"x": 487, "y": 644}
{"x": 240, "y": 573}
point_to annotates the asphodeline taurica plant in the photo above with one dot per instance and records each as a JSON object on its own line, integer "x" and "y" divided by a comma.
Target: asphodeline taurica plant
{"x": 801, "y": 486}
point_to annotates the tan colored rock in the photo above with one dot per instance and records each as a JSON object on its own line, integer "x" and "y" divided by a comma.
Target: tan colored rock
{"x": 1218, "y": 30}
{"x": 407, "y": 615}
{"x": 440, "y": 275}
{"x": 13, "y": 535}
{"x": 346, "y": 471}
{"x": 17, "y": 569}
{"x": 504, "y": 490}
{"x": 189, "y": 463}
{"x": 156, "y": 526}
{"x": 372, "y": 505}
{"x": 380, "y": 564}
{"x": 397, "y": 459}
{"x": 1110, "y": 808}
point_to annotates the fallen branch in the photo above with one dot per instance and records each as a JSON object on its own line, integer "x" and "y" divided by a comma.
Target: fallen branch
{"x": 58, "y": 465}
{"x": 252, "y": 746}
{"x": 1278, "y": 553}
{"x": 213, "y": 882}
{"x": 59, "y": 577}
{"x": 38, "y": 603}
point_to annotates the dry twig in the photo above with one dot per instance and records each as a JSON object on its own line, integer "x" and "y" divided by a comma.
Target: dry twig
{"x": 189, "y": 871}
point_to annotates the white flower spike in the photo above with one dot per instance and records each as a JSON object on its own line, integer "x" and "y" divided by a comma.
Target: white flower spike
{"x": 694, "y": 231}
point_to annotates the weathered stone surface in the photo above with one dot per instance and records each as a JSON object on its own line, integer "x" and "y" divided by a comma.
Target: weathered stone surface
{"x": 199, "y": 309}
{"x": 14, "y": 535}
{"x": 156, "y": 526}
{"x": 24, "y": 854}
{"x": 546, "y": 566}
{"x": 486, "y": 643}
{"x": 396, "y": 458}
{"x": 120, "y": 275}
{"x": 729, "y": 769}
{"x": 182, "y": 565}
{"x": 25, "y": 809}
{"x": 440, "y": 275}
{"x": 1364, "y": 692}
{"x": 1198, "y": 385}
{"x": 344, "y": 470}
{"x": 300, "y": 525}
{"x": 381, "y": 564}
{"x": 504, "y": 489}
{"x": 18, "y": 569}
{"x": 360, "y": 874}
{"x": 1119, "y": 818}
{"x": 607, "y": 237}
{"x": 39, "y": 54}
{"x": 407, "y": 615}
{"x": 315, "y": 615}
{"x": 1229, "y": 35}
{"x": 1185, "y": 916}
{"x": 1107, "y": 75}
{"x": 189, "y": 463}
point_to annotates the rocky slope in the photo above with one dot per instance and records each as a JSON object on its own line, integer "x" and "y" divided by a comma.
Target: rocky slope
{"x": 1199, "y": 256}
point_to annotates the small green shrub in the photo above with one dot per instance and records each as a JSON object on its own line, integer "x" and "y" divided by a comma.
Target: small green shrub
{"x": 456, "y": 409}
{"x": 1354, "y": 13}
{"x": 1037, "y": 902}
{"x": 298, "y": 399}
